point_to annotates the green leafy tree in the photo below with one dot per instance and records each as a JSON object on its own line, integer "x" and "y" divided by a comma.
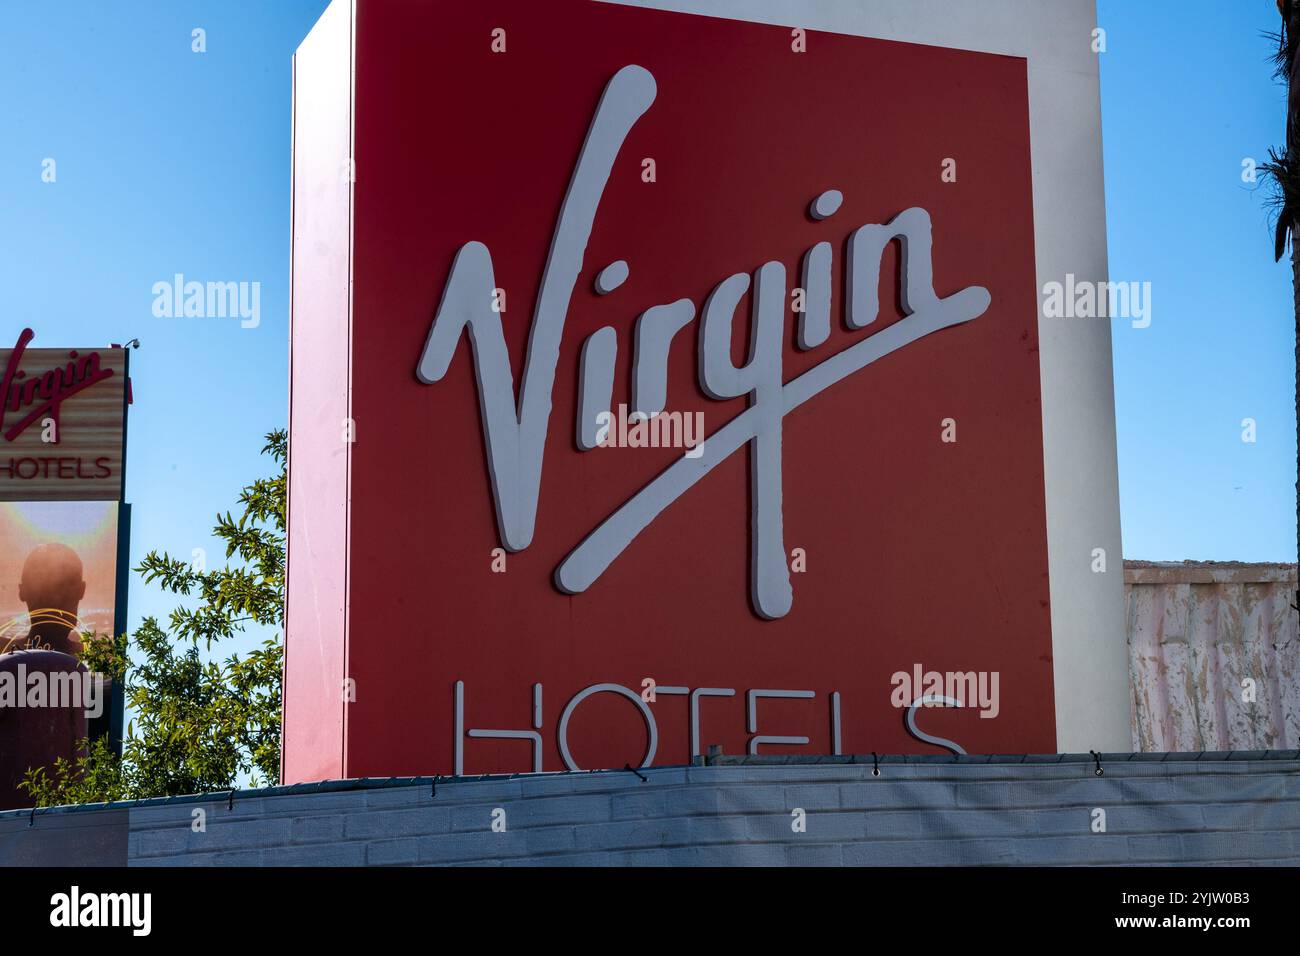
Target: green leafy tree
{"x": 198, "y": 725}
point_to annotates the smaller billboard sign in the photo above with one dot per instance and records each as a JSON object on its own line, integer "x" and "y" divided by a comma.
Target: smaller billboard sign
{"x": 62, "y": 423}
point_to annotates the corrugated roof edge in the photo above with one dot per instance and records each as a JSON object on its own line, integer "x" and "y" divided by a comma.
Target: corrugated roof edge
{"x": 722, "y": 760}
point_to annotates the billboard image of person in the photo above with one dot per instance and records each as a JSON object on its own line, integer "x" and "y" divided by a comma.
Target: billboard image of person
{"x": 58, "y": 569}
{"x": 52, "y": 587}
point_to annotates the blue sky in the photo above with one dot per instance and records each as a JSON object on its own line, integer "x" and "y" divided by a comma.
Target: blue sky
{"x": 1186, "y": 97}
{"x": 171, "y": 161}
{"x": 167, "y": 161}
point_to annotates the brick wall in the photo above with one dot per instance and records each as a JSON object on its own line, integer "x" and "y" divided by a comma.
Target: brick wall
{"x": 1159, "y": 809}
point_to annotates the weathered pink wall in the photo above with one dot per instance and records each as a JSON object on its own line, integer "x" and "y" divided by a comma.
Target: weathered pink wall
{"x": 1196, "y": 631}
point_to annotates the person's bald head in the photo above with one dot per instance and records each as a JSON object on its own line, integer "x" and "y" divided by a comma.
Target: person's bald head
{"x": 52, "y": 578}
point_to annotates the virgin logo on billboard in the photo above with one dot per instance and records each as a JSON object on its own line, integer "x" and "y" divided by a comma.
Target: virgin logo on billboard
{"x": 40, "y": 396}
{"x": 61, "y": 421}
{"x": 515, "y": 434}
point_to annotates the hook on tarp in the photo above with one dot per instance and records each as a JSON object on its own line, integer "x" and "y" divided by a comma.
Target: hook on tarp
{"x": 1097, "y": 760}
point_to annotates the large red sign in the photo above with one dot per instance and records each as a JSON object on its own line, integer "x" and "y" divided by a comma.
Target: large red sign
{"x": 694, "y": 395}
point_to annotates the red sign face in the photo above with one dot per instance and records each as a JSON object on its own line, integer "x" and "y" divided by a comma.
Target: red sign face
{"x": 861, "y": 525}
